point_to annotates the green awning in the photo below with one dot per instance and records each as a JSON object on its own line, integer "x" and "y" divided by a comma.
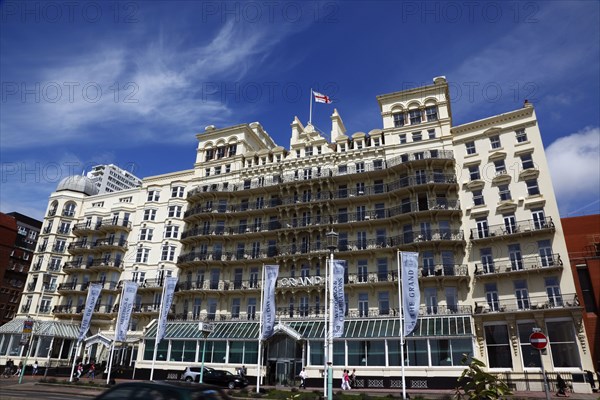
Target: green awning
{"x": 353, "y": 329}
{"x": 43, "y": 328}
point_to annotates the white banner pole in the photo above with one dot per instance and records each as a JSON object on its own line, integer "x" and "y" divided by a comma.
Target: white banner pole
{"x": 260, "y": 323}
{"x": 75, "y": 360}
{"x": 162, "y": 302}
{"x": 400, "y": 301}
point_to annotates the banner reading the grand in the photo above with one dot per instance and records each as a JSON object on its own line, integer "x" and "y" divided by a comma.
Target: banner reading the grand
{"x": 90, "y": 303}
{"x": 339, "y": 267}
{"x": 411, "y": 297}
{"x": 169, "y": 289}
{"x": 268, "y": 311}
{"x": 125, "y": 309}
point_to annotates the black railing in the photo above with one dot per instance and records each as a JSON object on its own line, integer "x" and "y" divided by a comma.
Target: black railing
{"x": 341, "y": 193}
{"x": 527, "y": 303}
{"x": 511, "y": 228}
{"x": 527, "y": 263}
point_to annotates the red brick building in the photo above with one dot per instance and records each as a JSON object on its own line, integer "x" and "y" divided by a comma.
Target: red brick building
{"x": 582, "y": 235}
{"x": 18, "y": 237}
{"x": 8, "y": 236}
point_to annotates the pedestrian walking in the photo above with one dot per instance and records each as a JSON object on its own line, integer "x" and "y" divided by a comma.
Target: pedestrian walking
{"x": 353, "y": 378}
{"x": 561, "y": 385}
{"x": 346, "y": 380}
{"x": 303, "y": 376}
{"x": 92, "y": 371}
{"x": 19, "y": 369}
{"x": 34, "y": 368}
{"x": 79, "y": 370}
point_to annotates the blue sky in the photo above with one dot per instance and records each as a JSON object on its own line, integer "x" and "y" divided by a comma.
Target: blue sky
{"x": 132, "y": 82}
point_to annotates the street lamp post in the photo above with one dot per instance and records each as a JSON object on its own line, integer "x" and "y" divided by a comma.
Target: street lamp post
{"x": 205, "y": 329}
{"x": 332, "y": 245}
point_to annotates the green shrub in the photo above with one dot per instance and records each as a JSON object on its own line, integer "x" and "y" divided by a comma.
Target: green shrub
{"x": 476, "y": 384}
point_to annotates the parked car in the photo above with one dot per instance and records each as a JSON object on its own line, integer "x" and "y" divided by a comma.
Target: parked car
{"x": 162, "y": 390}
{"x": 222, "y": 378}
{"x": 192, "y": 374}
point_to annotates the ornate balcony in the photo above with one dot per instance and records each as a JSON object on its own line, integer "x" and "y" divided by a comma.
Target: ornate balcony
{"x": 524, "y": 265}
{"x": 509, "y": 231}
{"x": 115, "y": 224}
{"x": 528, "y": 304}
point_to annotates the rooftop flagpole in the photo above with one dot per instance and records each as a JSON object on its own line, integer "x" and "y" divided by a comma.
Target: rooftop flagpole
{"x": 310, "y": 113}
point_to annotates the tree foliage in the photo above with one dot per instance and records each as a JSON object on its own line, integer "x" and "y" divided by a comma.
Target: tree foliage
{"x": 476, "y": 384}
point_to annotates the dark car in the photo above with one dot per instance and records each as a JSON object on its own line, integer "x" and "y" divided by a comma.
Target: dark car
{"x": 162, "y": 391}
{"x": 223, "y": 378}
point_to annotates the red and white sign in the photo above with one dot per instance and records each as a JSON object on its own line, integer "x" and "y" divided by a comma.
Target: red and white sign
{"x": 538, "y": 340}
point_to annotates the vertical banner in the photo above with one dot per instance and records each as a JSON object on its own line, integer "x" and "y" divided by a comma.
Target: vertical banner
{"x": 125, "y": 309}
{"x": 268, "y": 312}
{"x": 410, "y": 290}
{"x": 90, "y": 303}
{"x": 169, "y": 289}
{"x": 339, "y": 300}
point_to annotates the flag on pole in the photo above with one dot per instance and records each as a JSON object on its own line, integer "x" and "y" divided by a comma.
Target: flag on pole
{"x": 410, "y": 290}
{"x": 90, "y": 303}
{"x": 170, "y": 284}
{"x": 338, "y": 297}
{"x": 321, "y": 98}
{"x": 125, "y": 309}
{"x": 268, "y": 311}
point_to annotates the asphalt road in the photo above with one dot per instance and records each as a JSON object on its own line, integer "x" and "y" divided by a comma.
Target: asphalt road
{"x": 10, "y": 389}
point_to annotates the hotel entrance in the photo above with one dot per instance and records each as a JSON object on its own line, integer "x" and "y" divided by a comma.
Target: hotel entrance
{"x": 284, "y": 360}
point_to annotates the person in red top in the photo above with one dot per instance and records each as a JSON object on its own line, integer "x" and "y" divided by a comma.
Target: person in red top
{"x": 92, "y": 371}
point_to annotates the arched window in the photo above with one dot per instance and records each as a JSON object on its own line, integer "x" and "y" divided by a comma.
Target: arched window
{"x": 69, "y": 209}
{"x": 53, "y": 208}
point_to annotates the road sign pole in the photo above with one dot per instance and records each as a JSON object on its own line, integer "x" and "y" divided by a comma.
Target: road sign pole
{"x": 539, "y": 341}
{"x": 544, "y": 375}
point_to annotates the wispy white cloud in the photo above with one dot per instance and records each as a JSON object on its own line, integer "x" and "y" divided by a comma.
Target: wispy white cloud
{"x": 574, "y": 162}
{"x": 164, "y": 90}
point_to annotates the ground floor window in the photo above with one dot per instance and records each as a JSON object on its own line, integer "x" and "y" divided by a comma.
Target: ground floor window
{"x": 498, "y": 346}
{"x": 161, "y": 353}
{"x": 417, "y": 352}
{"x": 531, "y": 356}
{"x": 563, "y": 345}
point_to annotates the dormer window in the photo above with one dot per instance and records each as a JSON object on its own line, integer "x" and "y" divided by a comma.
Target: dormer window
{"x": 308, "y": 151}
{"x": 342, "y": 147}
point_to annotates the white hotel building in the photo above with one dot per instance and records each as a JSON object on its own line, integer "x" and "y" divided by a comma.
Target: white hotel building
{"x": 475, "y": 200}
